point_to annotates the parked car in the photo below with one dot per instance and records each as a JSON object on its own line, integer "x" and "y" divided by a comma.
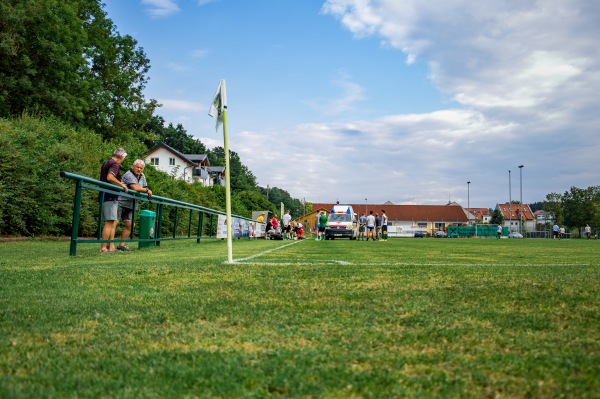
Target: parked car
{"x": 515, "y": 234}
{"x": 441, "y": 234}
{"x": 419, "y": 234}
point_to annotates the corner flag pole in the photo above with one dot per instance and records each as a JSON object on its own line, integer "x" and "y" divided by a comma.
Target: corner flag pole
{"x": 218, "y": 110}
{"x": 227, "y": 188}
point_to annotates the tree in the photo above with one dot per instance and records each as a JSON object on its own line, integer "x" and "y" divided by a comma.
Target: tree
{"x": 241, "y": 177}
{"x": 64, "y": 58}
{"x": 116, "y": 75}
{"x": 176, "y": 137}
{"x": 41, "y": 49}
{"x": 578, "y": 205}
{"x": 497, "y": 217}
{"x": 553, "y": 205}
{"x": 536, "y": 206}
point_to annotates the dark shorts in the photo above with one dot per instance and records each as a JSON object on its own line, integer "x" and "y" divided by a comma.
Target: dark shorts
{"x": 287, "y": 228}
{"x": 321, "y": 229}
{"x": 384, "y": 228}
{"x": 125, "y": 213}
{"x": 370, "y": 228}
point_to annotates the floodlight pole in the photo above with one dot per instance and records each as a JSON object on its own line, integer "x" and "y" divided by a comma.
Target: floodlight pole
{"x": 521, "y": 198}
{"x": 468, "y": 202}
{"x": 509, "y": 205}
{"x": 365, "y": 206}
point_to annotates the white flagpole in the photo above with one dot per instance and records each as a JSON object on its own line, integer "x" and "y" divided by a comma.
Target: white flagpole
{"x": 227, "y": 188}
{"x": 218, "y": 110}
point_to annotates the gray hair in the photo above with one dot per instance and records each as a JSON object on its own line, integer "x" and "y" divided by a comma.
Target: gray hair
{"x": 139, "y": 161}
{"x": 120, "y": 153}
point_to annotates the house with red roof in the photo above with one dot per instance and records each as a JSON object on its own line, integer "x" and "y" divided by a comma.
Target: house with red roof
{"x": 426, "y": 218}
{"x": 515, "y": 214}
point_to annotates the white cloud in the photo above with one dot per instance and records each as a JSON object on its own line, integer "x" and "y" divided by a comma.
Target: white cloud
{"x": 181, "y": 105}
{"x": 351, "y": 94}
{"x": 161, "y": 8}
{"x": 179, "y": 68}
{"x": 199, "y": 53}
{"x": 525, "y": 74}
{"x": 399, "y": 158}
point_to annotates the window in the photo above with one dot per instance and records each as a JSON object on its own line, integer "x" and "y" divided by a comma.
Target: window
{"x": 154, "y": 161}
{"x": 172, "y": 161}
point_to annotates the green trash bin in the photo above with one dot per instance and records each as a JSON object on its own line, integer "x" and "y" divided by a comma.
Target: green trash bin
{"x": 147, "y": 228}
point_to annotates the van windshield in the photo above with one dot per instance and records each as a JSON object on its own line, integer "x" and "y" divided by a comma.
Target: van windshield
{"x": 340, "y": 217}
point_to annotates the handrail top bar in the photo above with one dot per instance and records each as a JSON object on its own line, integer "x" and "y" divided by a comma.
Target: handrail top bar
{"x": 153, "y": 198}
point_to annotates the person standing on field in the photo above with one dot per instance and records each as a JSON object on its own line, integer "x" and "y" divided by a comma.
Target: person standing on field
{"x": 322, "y": 226}
{"x": 135, "y": 180}
{"x": 275, "y": 223}
{"x": 384, "y": 225}
{"x": 499, "y": 231}
{"x": 362, "y": 226}
{"x": 287, "y": 231}
{"x": 588, "y": 231}
{"x": 371, "y": 226}
{"x": 111, "y": 173}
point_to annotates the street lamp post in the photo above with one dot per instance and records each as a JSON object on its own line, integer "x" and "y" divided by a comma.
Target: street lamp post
{"x": 267, "y": 192}
{"x": 469, "y": 201}
{"x": 521, "y": 198}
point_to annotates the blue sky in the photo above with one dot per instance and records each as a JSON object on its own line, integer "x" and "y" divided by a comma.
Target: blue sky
{"x": 401, "y": 101}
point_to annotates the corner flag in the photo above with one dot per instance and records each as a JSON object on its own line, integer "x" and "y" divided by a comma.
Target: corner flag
{"x": 219, "y": 104}
{"x": 218, "y": 110}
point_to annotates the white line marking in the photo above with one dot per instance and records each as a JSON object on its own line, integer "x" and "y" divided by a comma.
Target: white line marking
{"x": 242, "y": 260}
{"x": 337, "y": 262}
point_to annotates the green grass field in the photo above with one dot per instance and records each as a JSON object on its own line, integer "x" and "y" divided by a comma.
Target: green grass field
{"x": 406, "y": 318}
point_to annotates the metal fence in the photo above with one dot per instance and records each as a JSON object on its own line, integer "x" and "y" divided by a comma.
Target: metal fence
{"x": 168, "y": 211}
{"x": 478, "y": 230}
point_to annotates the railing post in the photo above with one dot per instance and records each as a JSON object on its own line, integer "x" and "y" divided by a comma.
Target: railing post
{"x": 159, "y": 215}
{"x": 76, "y": 215}
{"x": 176, "y": 222}
{"x": 100, "y": 215}
{"x": 200, "y": 222}
{"x": 189, "y": 230}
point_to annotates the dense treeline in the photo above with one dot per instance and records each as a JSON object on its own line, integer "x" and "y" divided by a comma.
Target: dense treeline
{"x": 65, "y": 58}
{"x": 71, "y": 90}
{"x": 35, "y": 200}
{"x": 575, "y": 208}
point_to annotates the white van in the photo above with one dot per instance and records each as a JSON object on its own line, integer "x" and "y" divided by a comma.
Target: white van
{"x": 341, "y": 223}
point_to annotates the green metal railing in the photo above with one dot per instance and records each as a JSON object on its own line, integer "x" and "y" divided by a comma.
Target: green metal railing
{"x": 83, "y": 182}
{"x": 475, "y": 231}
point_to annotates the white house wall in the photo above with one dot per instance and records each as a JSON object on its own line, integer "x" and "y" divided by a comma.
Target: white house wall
{"x": 181, "y": 170}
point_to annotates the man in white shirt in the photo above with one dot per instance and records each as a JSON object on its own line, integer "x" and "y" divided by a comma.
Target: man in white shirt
{"x": 371, "y": 226}
{"x": 287, "y": 228}
{"x": 588, "y": 231}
